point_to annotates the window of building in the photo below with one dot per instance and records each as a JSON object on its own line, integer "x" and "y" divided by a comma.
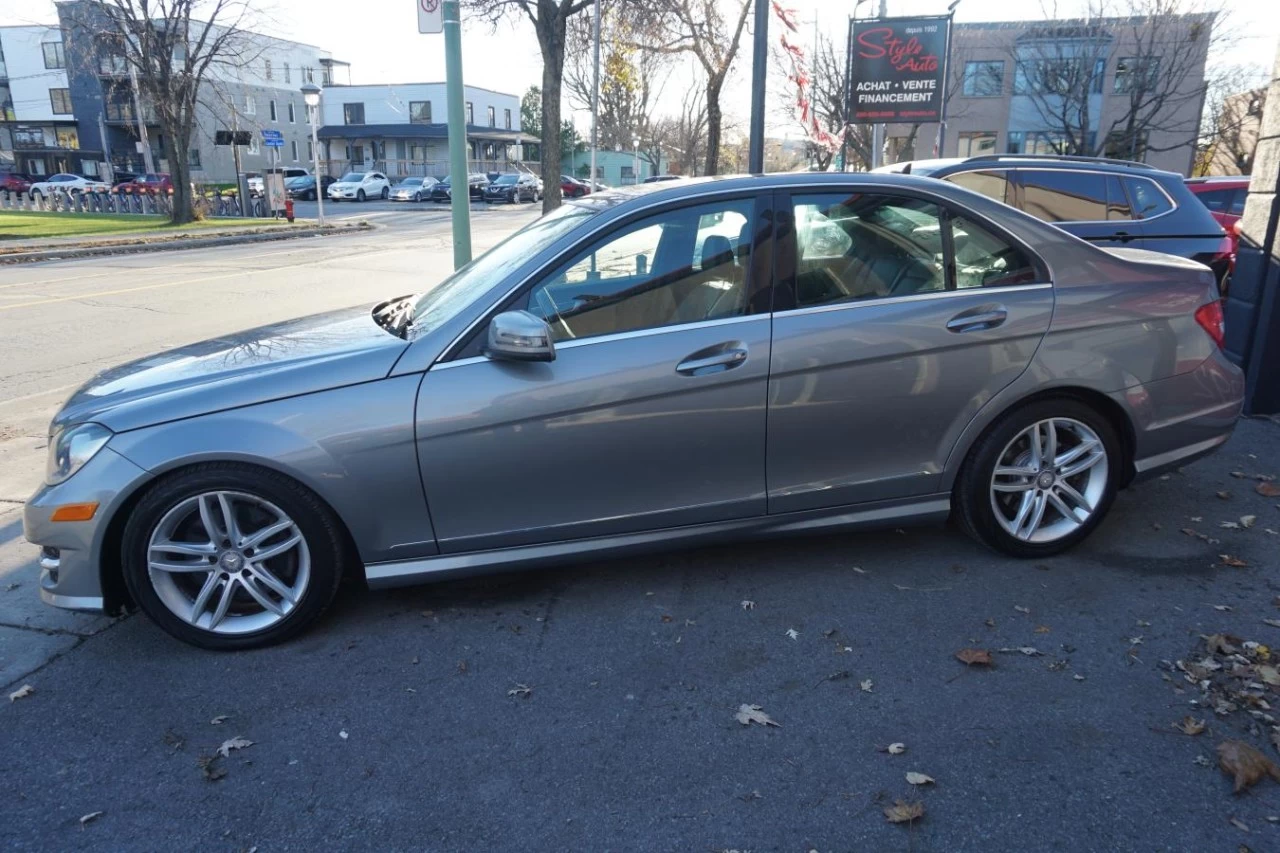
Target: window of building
{"x": 311, "y": 154}
{"x": 271, "y": 108}
{"x": 420, "y": 112}
{"x": 471, "y": 114}
{"x": 266, "y": 68}
{"x": 293, "y": 146}
{"x": 984, "y": 260}
{"x": 851, "y": 248}
{"x": 68, "y": 137}
{"x": 1044, "y": 142}
{"x": 1137, "y": 73}
{"x": 292, "y": 114}
{"x": 353, "y": 113}
{"x": 28, "y": 137}
{"x": 993, "y": 184}
{"x": 193, "y": 158}
{"x": 286, "y": 73}
{"x": 974, "y": 143}
{"x": 112, "y": 65}
{"x": 628, "y": 173}
{"x": 984, "y": 79}
{"x": 54, "y": 54}
{"x": 1059, "y": 76}
{"x": 493, "y": 117}
{"x": 6, "y": 104}
{"x": 678, "y": 266}
{"x": 1064, "y": 195}
{"x": 89, "y": 167}
{"x": 60, "y": 99}
{"x": 506, "y": 116}
{"x": 250, "y": 105}
{"x": 1148, "y": 199}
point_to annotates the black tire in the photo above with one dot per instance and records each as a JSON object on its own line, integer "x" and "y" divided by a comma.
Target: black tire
{"x": 417, "y": 197}
{"x": 360, "y": 195}
{"x": 386, "y": 193}
{"x": 971, "y": 498}
{"x": 312, "y": 196}
{"x": 319, "y": 527}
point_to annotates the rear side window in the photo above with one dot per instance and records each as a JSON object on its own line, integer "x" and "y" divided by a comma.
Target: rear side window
{"x": 1148, "y": 199}
{"x": 1216, "y": 200}
{"x": 1237, "y": 202}
{"x": 985, "y": 260}
{"x": 991, "y": 184}
{"x": 1118, "y": 206}
{"x": 1064, "y": 196}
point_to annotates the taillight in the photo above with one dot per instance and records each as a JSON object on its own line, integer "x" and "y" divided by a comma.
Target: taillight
{"x": 1209, "y": 316}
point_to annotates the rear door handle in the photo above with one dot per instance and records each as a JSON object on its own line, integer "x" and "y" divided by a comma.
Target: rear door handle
{"x": 699, "y": 365}
{"x": 978, "y": 319}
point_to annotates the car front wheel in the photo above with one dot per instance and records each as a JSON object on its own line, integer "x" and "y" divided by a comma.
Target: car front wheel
{"x": 386, "y": 193}
{"x": 228, "y": 556}
{"x": 1040, "y": 480}
{"x": 359, "y": 195}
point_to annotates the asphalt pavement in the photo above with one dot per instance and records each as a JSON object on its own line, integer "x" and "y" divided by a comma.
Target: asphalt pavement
{"x": 593, "y": 706}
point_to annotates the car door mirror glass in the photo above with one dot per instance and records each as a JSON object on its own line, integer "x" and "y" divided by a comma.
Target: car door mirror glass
{"x": 519, "y": 336}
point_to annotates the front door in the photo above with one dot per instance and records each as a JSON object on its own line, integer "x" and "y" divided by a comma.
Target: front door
{"x": 896, "y": 323}
{"x": 652, "y": 414}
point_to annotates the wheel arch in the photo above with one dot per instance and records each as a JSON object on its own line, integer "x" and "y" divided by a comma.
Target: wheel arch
{"x": 1103, "y": 404}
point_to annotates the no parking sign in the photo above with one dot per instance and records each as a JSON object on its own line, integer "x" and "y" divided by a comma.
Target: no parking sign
{"x": 430, "y": 18}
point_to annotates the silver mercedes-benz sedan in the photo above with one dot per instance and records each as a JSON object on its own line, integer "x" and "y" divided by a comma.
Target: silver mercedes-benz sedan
{"x": 648, "y": 368}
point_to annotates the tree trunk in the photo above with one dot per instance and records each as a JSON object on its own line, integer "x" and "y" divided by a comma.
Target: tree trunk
{"x": 551, "y": 36}
{"x": 714, "y": 117}
{"x": 175, "y": 151}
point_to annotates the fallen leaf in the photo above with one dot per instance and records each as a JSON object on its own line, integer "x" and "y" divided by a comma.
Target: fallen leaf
{"x": 1233, "y": 562}
{"x": 1247, "y": 521}
{"x": 861, "y": 570}
{"x": 21, "y": 693}
{"x": 1243, "y": 762}
{"x": 896, "y": 748}
{"x": 666, "y": 617}
{"x": 990, "y": 623}
{"x": 210, "y": 768}
{"x": 219, "y": 720}
{"x": 1078, "y": 677}
{"x": 865, "y": 686}
{"x": 520, "y": 690}
{"x": 343, "y": 734}
{"x": 1021, "y": 609}
{"x": 748, "y": 605}
{"x": 1274, "y": 623}
{"x": 1267, "y": 490}
{"x": 1224, "y": 495}
{"x": 1190, "y": 726}
{"x": 836, "y": 676}
{"x": 1269, "y": 675}
{"x": 974, "y": 657}
{"x": 748, "y": 714}
{"x": 1240, "y": 825}
{"x": 1239, "y": 475}
{"x": 1043, "y": 629}
{"x": 793, "y": 633}
{"x": 1222, "y": 644}
{"x": 904, "y": 812}
{"x": 236, "y": 742}
{"x": 1029, "y": 651}
{"x": 1229, "y": 525}
{"x": 1202, "y": 760}
{"x": 1225, "y": 608}
{"x": 919, "y": 779}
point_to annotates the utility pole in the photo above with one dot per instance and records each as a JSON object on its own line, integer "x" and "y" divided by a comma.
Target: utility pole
{"x": 106, "y": 147}
{"x": 242, "y": 186}
{"x": 878, "y": 130}
{"x": 595, "y": 100}
{"x": 459, "y": 175}
{"x": 759, "y": 68}
{"x": 148, "y": 165}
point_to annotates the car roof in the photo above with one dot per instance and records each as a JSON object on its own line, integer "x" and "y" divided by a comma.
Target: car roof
{"x": 1228, "y": 180}
{"x": 949, "y": 165}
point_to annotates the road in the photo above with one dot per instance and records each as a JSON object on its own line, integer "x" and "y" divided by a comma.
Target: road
{"x": 403, "y": 721}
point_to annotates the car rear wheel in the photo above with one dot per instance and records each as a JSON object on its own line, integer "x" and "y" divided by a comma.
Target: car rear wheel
{"x": 1040, "y": 480}
{"x": 386, "y": 193}
{"x": 226, "y": 556}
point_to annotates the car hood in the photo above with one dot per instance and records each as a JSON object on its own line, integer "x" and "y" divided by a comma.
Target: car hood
{"x": 287, "y": 359}
{"x": 344, "y": 185}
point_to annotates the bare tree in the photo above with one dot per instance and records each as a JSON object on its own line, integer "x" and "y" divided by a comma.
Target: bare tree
{"x": 685, "y": 134}
{"x": 1232, "y": 121}
{"x": 701, "y": 29}
{"x": 172, "y": 46}
{"x": 1156, "y": 83}
{"x": 550, "y": 19}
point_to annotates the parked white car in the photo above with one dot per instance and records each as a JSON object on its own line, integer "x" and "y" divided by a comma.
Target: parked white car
{"x": 64, "y": 182}
{"x": 359, "y": 186}
{"x": 257, "y": 185}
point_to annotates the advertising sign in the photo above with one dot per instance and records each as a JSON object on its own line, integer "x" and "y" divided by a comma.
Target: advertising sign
{"x": 898, "y": 69}
{"x": 430, "y": 17}
{"x": 275, "y": 191}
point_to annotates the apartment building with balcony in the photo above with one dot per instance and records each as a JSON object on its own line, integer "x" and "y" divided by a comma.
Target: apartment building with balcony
{"x": 1028, "y": 87}
{"x": 39, "y": 133}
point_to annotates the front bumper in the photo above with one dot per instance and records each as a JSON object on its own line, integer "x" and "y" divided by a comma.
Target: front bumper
{"x": 71, "y": 557}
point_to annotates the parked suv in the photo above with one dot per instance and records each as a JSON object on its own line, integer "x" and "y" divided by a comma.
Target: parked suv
{"x": 476, "y": 185}
{"x": 512, "y": 187}
{"x": 1115, "y": 203}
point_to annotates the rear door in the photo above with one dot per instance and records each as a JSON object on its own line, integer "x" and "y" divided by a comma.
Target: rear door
{"x": 895, "y": 322}
{"x": 1091, "y": 205}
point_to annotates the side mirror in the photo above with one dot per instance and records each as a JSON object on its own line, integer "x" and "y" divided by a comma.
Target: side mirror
{"x": 520, "y": 336}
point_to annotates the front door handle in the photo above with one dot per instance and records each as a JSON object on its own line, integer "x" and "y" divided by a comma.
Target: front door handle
{"x": 978, "y": 319}
{"x": 1124, "y": 236}
{"x": 721, "y": 359}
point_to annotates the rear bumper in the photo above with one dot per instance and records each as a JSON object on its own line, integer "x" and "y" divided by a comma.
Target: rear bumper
{"x": 1182, "y": 418}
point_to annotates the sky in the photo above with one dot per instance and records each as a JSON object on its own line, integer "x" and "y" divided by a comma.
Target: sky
{"x": 380, "y": 40}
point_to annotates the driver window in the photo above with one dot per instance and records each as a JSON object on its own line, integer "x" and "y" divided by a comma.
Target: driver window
{"x": 680, "y": 266}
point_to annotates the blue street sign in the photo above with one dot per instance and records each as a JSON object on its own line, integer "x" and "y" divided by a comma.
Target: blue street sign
{"x": 272, "y": 139}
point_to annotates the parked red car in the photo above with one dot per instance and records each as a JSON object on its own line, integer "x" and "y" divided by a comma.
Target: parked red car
{"x": 15, "y": 182}
{"x": 1225, "y": 199}
{"x": 572, "y": 187}
{"x": 155, "y": 182}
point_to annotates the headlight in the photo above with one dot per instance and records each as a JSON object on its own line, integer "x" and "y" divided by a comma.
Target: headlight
{"x": 71, "y": 448}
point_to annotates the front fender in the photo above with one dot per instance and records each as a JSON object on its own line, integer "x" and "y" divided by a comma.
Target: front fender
{"x": 353, "y": 446}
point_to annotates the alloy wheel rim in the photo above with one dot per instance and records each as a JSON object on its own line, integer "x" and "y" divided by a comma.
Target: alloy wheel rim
{"x": 1049, "y": 480}
{"x": 228, "y": 562}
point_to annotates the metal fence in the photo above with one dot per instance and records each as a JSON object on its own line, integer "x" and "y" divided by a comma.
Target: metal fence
{"x": 211, "y": 204}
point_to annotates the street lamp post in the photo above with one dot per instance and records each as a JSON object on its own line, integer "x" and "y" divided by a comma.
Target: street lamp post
{"x": 311, "y": 96}
{"x": 636, "y": 143}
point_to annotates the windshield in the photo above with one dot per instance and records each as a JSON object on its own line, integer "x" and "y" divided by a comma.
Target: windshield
{"x": 353, "y": 177}
{"x": 456, "y": 292}
{"x": 299, "y": 179}
{"x": 504, "y": 180}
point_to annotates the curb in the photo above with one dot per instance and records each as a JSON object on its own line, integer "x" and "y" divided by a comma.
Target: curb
{"x": 72, "y": 252}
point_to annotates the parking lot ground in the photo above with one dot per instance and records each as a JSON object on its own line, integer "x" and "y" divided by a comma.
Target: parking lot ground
{"x": 592, "y": 706}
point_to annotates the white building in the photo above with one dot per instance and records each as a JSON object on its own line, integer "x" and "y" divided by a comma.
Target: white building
{"x": 38, "y": 130}
{"x": 402, "y": 128}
